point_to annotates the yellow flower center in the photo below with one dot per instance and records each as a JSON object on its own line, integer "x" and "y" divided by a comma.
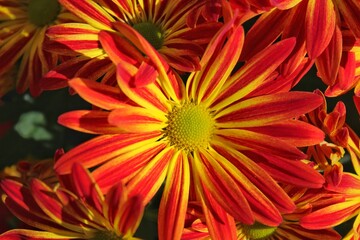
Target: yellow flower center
{"x": 151, "y": 32}
{"x": 189, "y": 127}
{"x": 43, "y": 12}
{"x": 258, "y": 231}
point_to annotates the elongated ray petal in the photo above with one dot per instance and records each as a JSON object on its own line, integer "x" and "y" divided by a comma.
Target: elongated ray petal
{"x": 220, "y": 224}
{"x": 253, "y": 73}
{"x": 168, "y": 81}
{"x": 223, "y": 187}
{"x": 244, "y": 139}
{"x": 90, "y": 12}
{"x": 350, "y": 10}
{"x": 101, "y": 95}
{"x": 214, "y": 74}
{"x": 287, "y": 171}
{"x": 101, "y": 149}
{"x": 135, "y": 120}
{"x": 70, "y": 39}
{"x": 173, "y": 204}
{"x": 320, "y": 26}
{"x": 149, "y": 179}
{"x": 88, "y": 121}
{"x": 24, "y": 234}
{"x": 297, "y": 133}
{"x": 127, "y": 165}
{"x": 330, "y": 216}
{"x": 268, "y": 109}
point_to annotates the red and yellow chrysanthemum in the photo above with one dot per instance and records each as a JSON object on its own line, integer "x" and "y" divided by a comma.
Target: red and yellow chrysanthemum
{"x": 74, "y": 209}
{"x": 168, "y": 26}
{"x": 322, "y": 30}
{"x": 22, "y": 32}
{"x": 208, "y": 137}
{"x": 306, "y": 200}
{"x": 338, "y": 213}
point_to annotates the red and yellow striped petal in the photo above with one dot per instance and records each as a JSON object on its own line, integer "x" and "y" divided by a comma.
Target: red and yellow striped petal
{"x": 136, "y": 120}
{"x": 90, "y": 12}
{"x": 127, "y": 165}
{"x": 253, "y": 73}
{"x": 287, "y": 171}
{"x": 256, "y": 40}
{"x": 330, "y": 216}
{"x": 101, "y": 149}
{"x": 222, "y": 186}
{"x": 72, "y": 39}
{"x": 85, "y": 187}
{"x": 150, "y": 96}
{"x": 12, "y": 49}
{"x": 350, "y": 10}
{"x": 248, "y": 140}
{"x": 295, "y": 132}
{"x": 256, "y": 175}
{"x": 267, "y": 109}
{"x": 328, "y": 63}
{"x": 101, "y": 95}
{"x": 149, "y": 179}
{"x": 320, "y": 25}
{"x": 207, "y": 83}
{"x": 119, "y": 50}
{"x": 47, "y": 201}
{"x": 169, "y": 82}
{"x": 26, "y": 234}
{"x": 89, "y": 121}
{"x": 174, "y": 201}
{"x": 220, "y": 224}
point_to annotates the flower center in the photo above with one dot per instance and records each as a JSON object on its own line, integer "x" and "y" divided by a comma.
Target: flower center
{"x": 43, "y": 12}
{"x": 151, "y": 32}
{"x": 258, "y": 231}
{"x": 189, "y": 127}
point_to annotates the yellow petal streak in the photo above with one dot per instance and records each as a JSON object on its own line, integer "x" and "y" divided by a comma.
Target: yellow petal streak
{"x": 190, "y": 126}
{"x": 43, "y": 12}
{"x": 258, "y": 231}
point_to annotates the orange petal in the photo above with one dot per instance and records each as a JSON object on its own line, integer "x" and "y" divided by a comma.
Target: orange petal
{"x": 320, "y": 25}
{"x": 101, "y": 149}
{"x": 88, "y": 121}
{"x": 173, "y": 204}
{"x": 101, "y": 95}
{"x": 253, "y": 73}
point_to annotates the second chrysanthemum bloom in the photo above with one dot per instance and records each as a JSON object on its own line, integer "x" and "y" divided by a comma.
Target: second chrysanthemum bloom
{"x": 167, "y": 25}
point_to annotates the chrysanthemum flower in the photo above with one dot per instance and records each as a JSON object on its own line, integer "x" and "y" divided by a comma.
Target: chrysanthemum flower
{"x": 306, "y": 200}
{"x": 340, "y": 136}
{"x": 198, "y": 132}
{"x": 75, "y": 209}
{"x": 339, "y": 213}
{"x": 22, "y": 32}
{"x": 166, "y": 25}
{"x": 321, "y": 30}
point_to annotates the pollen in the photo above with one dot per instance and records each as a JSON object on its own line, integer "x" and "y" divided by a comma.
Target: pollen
{"x": 151, "y": 32}
{"x": 43, "y": 12}
{"x": 258, "y": 231}
{"x": 190, "y": 127}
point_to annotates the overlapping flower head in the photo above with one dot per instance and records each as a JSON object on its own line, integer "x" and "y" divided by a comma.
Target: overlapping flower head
{"x": 306, "y": 201}
{"x": 188, "y": 105}
{"x": 22, "y": 32}
{"x": 75, "y": 208}
{"x": 171, "y": 27}
{"x": 326, "y": 31}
